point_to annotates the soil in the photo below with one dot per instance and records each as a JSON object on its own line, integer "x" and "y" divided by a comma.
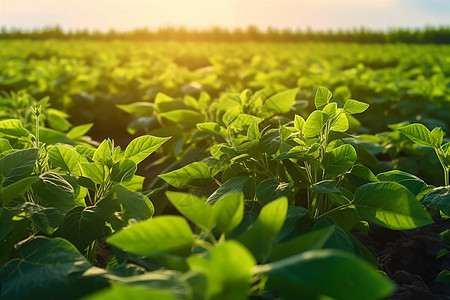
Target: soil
{"x": 409, "y": 259}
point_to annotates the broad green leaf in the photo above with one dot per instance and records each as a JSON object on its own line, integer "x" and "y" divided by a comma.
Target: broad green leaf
{"x": 231, "y": 115}
{"x": 82, "y": 225}
{"x": 235, "y": 264}
{"x": 390, "y": 204}
{"x": 135, "y": 292}
{"x": 413, "y": 183}
{"x": 135, "y": 205}
{"x": 162, "y": 234}
{"x": 240, "y": 184}
{"x": 281, "y": 102}
{"x": 58, "y": 120}
{"x": 53, "y": 190}
{"x": 193, "y": 208}
{"x": 45, "y": 219}
{"x": 209, "y": 127}
{"x": 123, "y": 171}
{"x": 443, "y": 276}
{"x": 438, "y": 136}
{"x": 85, "y": 150}
{"x": 17, "y": 165}
{"x": 260, "y": 236}
{"x": 331, "y": 273}
{"x": 67, "y": 159}
{"x": 330, "y": 110}
{"x": 103, "y": 153}
{"x": 314, "y": 124}
{"x": 419, "y": 134}
{"x": 341, "y": 122}
{"x": 339, "y": 239}
{"x": 95, "y": 171}
{"x": 339, "y": 160}
{"x": 271, "y": 189}
{"x": 355, "y": 107}
{"x": 184, "y": 116}
{"x": 143, "y": 146}
{"x": 322, "y": 97}
{"x": 79, "y": 131}
{"x": 144, "y": 109}
{"x": 438, "y": 198}
{"x": 13, "y": 127}
{"x": 325, "y": 187}
{"x": 192, "y": 174}
{"x": 50, "y": 268}
{"x": 245, "y": 120}
{"x": 299, "y": 122}
{"x": 270, "y": 142}
{"x": 16, "y": 189}
{"x": 135, "y": 184}
{"x": 4, "y": 145}
{"x": 229, "y": 211}
{"x": 360, "y": 175}
{"x": 305, "y": 242}
{"x": 51, "y": 137}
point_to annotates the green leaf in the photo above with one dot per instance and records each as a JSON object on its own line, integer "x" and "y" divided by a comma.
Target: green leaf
{"x": 339, "y": 160}
{"x": 325, "y": 187}
{"x": 4, "y": 145}
{"x": 341, "y": 122}
{"x": 17, "y": 165}
{"x": 419, "y": 134}
{"x": 305, "y": 242}
{"x": 438, "y": 198}
{"x": 96, "y": 171}
{"x": 209, "y": 127}
{"x": 437, "y": 135}
{"x": 135, "y": 205}
{"x": 360, "y": 175}
{"x": 240, "y": 184}
{"x": 13, "y": 127}
{"x": 144, "y": 109}
{"x": 82, "y": 225}
{"x": 123, "y": 170}
{"x": 16, "y": 189}
{"x": 185, "y": 116}
{"x": 143, "y": 146}
{"x": 45, "y": 219}
{"x": 281, "y": 102}
{"x": 330, "y": 110}
{"x": 235, "y": 264}
{"x": 390, "y": 204}
{"x": 314, "y": 124}
{"x": 50, "y": 268}
{"x": 355, "y": 107}
{"x": 104, "y": 152}
{"x": 260, "y": 236}
{"x": 135, "y": 292}
{"x": 271, "y": 189}
{"x": 331, "y": 273}
{"x": 443, "y": 276}
{"x": 322, "y": 97}
{"x": 79, "y": 131}
{"x": 229, "y": 211}
{"x": 162, "y": 234}
{"x": 193, "y": 208}
{"x": 413, "y": 183}
{"x": 299, "y": 122}
{"x": 193, "y": 174}
{"x": 53, "y": 190}
{"x": 67, "y": 159}
{"x": 51, "y": 137}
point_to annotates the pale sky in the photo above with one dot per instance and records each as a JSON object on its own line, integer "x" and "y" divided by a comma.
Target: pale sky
{"x": 316, "y": 14}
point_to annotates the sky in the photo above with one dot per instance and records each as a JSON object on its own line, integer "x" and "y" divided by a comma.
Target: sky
{"x": 123, "y": 15}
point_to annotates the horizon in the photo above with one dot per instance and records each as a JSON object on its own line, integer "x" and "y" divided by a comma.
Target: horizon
{"x": 321, "y": 15}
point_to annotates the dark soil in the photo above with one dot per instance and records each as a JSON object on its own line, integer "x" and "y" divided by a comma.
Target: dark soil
{"x": 409, "y": 259}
